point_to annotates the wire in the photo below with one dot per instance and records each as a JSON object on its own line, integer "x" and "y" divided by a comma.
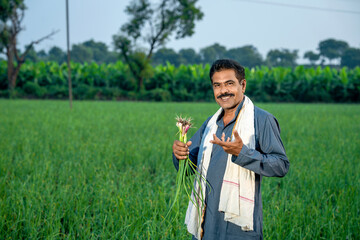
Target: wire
{"x": 300, "y": 6}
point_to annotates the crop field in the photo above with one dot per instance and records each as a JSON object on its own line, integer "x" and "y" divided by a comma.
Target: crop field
{"x": 104, "y": 170}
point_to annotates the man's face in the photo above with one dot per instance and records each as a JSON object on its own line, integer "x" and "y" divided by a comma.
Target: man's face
{"x": 228, "y": 92}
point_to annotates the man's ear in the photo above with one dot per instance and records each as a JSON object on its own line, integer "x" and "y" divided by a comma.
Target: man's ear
{"x": 243, "y": 85}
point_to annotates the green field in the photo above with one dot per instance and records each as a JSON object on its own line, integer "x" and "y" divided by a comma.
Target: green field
{"x": 104, "y": 170}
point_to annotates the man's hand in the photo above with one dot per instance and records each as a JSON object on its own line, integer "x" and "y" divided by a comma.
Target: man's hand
{"x": 233, "y": 148}
{"x": 181, "y": 150}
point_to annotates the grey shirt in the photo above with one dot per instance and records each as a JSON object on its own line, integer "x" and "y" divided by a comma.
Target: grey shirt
{"x": 268, "y": 159}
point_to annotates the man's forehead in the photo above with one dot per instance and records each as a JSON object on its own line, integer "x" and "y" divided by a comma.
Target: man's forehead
{"x": 224, "y": 75}
{"x": 224, "y": 80}
{"x": 224, "y": 70}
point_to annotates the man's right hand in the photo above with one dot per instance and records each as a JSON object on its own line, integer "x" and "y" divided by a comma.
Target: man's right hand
{"x": 181, "y": 150}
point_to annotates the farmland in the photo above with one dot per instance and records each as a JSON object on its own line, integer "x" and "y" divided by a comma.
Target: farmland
{"x": 104, "y": 170}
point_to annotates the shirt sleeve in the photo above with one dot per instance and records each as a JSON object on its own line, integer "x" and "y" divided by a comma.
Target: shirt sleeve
{"x": 269, "y": 159}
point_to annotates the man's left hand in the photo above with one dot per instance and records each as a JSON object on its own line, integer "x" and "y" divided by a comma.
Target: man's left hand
{"x": 233, "y": 148}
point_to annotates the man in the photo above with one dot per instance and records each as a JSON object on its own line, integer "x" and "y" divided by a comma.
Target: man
{"x": 233, "y": 150}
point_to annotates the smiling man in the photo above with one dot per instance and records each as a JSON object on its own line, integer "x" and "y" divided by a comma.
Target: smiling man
{"x": 233, "y": 150}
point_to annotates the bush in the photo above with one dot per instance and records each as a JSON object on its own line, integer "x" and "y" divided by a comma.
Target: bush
{"x": 85, "y": 92}
{"x": 157, "y": 94}
{"x": 3, "y": 75}
{"x": 34, "y": 90}
{"x": 58, "y": 92}
{"x": 4, "y": 94}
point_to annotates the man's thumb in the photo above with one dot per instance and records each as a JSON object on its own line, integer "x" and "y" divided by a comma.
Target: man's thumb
{"x": 188, "y": 143}
{"x": 236, "y": 135}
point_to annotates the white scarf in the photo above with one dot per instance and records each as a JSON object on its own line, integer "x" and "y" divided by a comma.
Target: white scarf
{"x": 238, "y": 188}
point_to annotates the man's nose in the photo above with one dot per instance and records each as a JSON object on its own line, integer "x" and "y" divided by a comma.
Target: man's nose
{"x": 223, "y": 89}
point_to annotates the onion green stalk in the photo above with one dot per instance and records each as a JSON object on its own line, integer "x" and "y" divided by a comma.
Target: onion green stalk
{"x": 187, "y": 173}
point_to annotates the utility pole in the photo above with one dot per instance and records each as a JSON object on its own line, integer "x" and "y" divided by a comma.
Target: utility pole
{"x": 68, "y": 54}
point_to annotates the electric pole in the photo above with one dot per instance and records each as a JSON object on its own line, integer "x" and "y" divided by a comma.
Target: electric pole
{"x": 68, "y": 53}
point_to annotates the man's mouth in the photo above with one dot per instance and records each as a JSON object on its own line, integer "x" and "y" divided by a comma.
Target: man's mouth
{"x": 225, "y": 97}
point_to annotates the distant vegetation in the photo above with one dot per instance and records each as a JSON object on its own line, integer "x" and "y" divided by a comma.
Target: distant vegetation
{"x": 140, "y": 67}
{"x": 114, "y": 81}
{"x": 335, "y": 53}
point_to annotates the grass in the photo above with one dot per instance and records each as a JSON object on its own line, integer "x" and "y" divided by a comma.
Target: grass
{"x": 104, "y": 170}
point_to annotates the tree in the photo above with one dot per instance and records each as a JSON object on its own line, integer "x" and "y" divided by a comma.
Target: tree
{"x": 164, "y": 55}
{"x": 312, "y": 57}
{"x": 189, "y": 56}
{"x": 42, "y": 56}
{"x": 248, "y": 56}
{"x": 32, "y": 55}
{"x": 11, "y": 16}
{"x": 332, "y": 49}
{"x": 282, "y": 58}
{"x": 89, "y": 51}
{"x": 99, "y": 50}
{"x": 81, "y": 53}
{"x": 56, "y": 54}
{"x": 153, "y": 24}
{"x": 112, "y": 57}
{"x": 211, "y": 53}
{"x": 351, "y": 58}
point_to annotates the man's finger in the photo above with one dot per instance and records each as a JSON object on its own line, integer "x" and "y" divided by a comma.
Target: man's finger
{"x": 216, "y": 140}
{"x": 223, "y": 137}
{"x": 181, "y": 148}
{"x": 188, "y": 144}
{"x": 181, "y": 151}
{"x": 219, "y": 142}
{"x": 180, "y": 154}
{"x": 237, "y": 136}
{"x": 180, "y": 144}
{"x": 180, "y": 157}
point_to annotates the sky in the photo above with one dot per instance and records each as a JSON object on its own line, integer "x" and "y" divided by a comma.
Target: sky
{"x": 265, "y": 24}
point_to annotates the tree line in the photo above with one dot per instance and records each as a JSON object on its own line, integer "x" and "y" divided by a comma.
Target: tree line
{"x": 336, "y": 53}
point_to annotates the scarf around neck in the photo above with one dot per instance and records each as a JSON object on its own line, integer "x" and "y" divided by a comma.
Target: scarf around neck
{"x": 237, "y": 195}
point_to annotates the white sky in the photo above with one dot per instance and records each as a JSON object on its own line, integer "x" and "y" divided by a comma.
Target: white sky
{"x": 232, "y": 23}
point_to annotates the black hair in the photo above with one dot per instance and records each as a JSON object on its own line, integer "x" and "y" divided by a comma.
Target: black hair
{"x": 224, "y": 64}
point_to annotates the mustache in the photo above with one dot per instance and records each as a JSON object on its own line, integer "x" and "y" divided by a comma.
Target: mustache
{"x": 225, "y": 95}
